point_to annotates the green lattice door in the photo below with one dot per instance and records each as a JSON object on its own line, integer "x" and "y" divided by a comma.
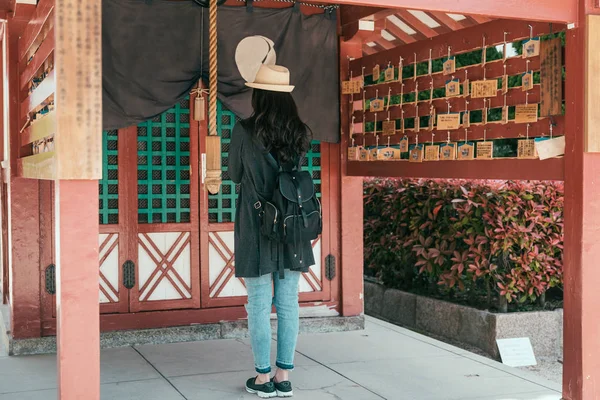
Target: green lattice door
{"x": 149, "y": 242}
{"x": 219, "y": 285}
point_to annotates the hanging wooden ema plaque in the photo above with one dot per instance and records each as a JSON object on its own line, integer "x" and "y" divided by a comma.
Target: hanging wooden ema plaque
{"x": 404, "y": 145}
{"x": 485, "y": 149}
{"x": 416, "y": 151}
{"x": 376, "y": 73}
{"x": 466, "y": 150}
{"x": 431, "y": 117}
{"x": 531, "y": 47}
{"x": 389, "y": 126}
{"x": 482, "y": 89}
{"x": 363, "y": 152}
{"x": 504, "y": 81}
{"x": 526, "y": 147}
{"x": 432, "y": 151}
{"x": 453, "y": 88}
{"x": 389, "y": 153}
{"x": 550, "y": 147}
{"x": 389, "y": 73}
{"x": 527, "y": 81}
{"x": 448, "y": 150}
{"x": 526, "y": 113}
{"x": 353, "y": 152}
{"x": 449, "y": 64}
{"x": 377, "y": 105}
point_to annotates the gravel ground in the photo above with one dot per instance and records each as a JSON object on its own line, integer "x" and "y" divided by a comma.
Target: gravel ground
{"x": 547, "y": 368}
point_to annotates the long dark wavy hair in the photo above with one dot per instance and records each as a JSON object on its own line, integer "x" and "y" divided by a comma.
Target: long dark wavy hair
{"x": 277, "y": 125}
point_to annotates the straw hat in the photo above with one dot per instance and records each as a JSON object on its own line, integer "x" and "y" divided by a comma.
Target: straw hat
{"x": 274, "y": 78}
{"x": 252, "y": 52}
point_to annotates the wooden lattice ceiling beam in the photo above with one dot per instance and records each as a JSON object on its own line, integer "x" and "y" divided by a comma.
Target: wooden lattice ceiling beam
{"x": 416, "y": 23}
{"x": 398, "y": 33}
{"x": 564, "y": 11}
{"x": 446, "y": 20}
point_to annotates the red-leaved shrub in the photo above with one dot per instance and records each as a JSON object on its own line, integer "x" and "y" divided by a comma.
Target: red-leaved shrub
{"x": 503, "y": 239}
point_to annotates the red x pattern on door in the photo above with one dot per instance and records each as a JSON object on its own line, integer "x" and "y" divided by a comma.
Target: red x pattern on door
{"x": 169, "y": 266}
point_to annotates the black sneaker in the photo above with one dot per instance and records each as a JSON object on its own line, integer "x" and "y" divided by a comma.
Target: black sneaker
{"x": 283, "y": 389}
{"x": 264, "y": 391}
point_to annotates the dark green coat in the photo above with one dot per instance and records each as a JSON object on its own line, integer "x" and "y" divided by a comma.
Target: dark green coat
{"x": 250, "y": 164}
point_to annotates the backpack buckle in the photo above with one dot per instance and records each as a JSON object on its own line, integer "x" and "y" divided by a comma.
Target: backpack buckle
{"x": 257, "y": 205}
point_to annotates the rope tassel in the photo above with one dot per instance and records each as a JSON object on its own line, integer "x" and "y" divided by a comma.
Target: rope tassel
{"x": 213, "y": 140}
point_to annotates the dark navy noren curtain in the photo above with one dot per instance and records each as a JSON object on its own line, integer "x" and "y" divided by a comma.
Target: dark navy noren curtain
{"x": 154, "y": 52}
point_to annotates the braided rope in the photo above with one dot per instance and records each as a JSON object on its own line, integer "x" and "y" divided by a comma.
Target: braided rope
{"x": 212, "y": 51}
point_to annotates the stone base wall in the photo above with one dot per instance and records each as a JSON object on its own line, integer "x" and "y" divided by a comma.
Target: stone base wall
{"x": 465, "y": 325}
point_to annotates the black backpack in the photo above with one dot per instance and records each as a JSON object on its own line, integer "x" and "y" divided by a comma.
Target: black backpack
{"x": 293, "y": 215}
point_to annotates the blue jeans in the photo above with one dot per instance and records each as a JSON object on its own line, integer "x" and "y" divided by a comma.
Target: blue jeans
{"x": 260, "y": 302}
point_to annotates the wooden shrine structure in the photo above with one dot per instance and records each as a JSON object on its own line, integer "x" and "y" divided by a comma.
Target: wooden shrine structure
{"x": 427, "y": 89}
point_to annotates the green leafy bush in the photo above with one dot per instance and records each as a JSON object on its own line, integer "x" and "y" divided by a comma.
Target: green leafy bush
{"x": 486, "y": 239}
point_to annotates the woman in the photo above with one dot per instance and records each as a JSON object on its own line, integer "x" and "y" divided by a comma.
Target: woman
{"x": 273, "y": 137}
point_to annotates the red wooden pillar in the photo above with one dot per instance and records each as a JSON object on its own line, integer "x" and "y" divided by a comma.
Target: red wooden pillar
{"x": 351, "y": 203}
{"x": 581, "y": 377}
{"x": 78, "y": 163}
{"x": 77, "y": 304}
{"x": 24, "y": 269}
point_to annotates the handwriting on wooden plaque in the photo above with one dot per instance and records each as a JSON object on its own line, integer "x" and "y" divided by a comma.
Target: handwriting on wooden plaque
{"x": 448, "y": 151}
{"x": 485, "y": 150}
{"x": 351, "y": 87}
{"x": 526, "y": 113}
{"x": 447, "y": 122}
{"x": 389, "y": 127}
{"x": 416, "y": 153}
{"x": 404, "y": 145}
{"x": 432, "y": 153}
{"x": 353, "y": 153}
{"x": 453, "y": 88}
{"x": 526, "y": 149}
{"x": 449, "y": 66}
{"x": 376, "y": 73}
{"x": 466, "y": 151}
{"x": 389, "y": 74}
{"x": 466, "y": 119}
{"x": 481, "y": 89}
{"x": 551, "y": 78}
{"x": 377, "y": 105}
{"x": 531, "y": 48}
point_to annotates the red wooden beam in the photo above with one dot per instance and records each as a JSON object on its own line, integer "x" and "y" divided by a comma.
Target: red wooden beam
{"x": 368, "y": 50}
{"x": 399, "y": 33}
{"x": 552, "y": 169}
{"x": 479, "y": 19}
{"x": 351, "y": 14}
{"x": 445, "y": 20}
{"x": 416, "y": 24}
{"x": 564, "y": 11}
{"x": 384, "y": 43}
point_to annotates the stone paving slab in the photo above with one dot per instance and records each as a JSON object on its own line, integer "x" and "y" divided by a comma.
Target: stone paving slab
{"x": 382, "y": 362}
